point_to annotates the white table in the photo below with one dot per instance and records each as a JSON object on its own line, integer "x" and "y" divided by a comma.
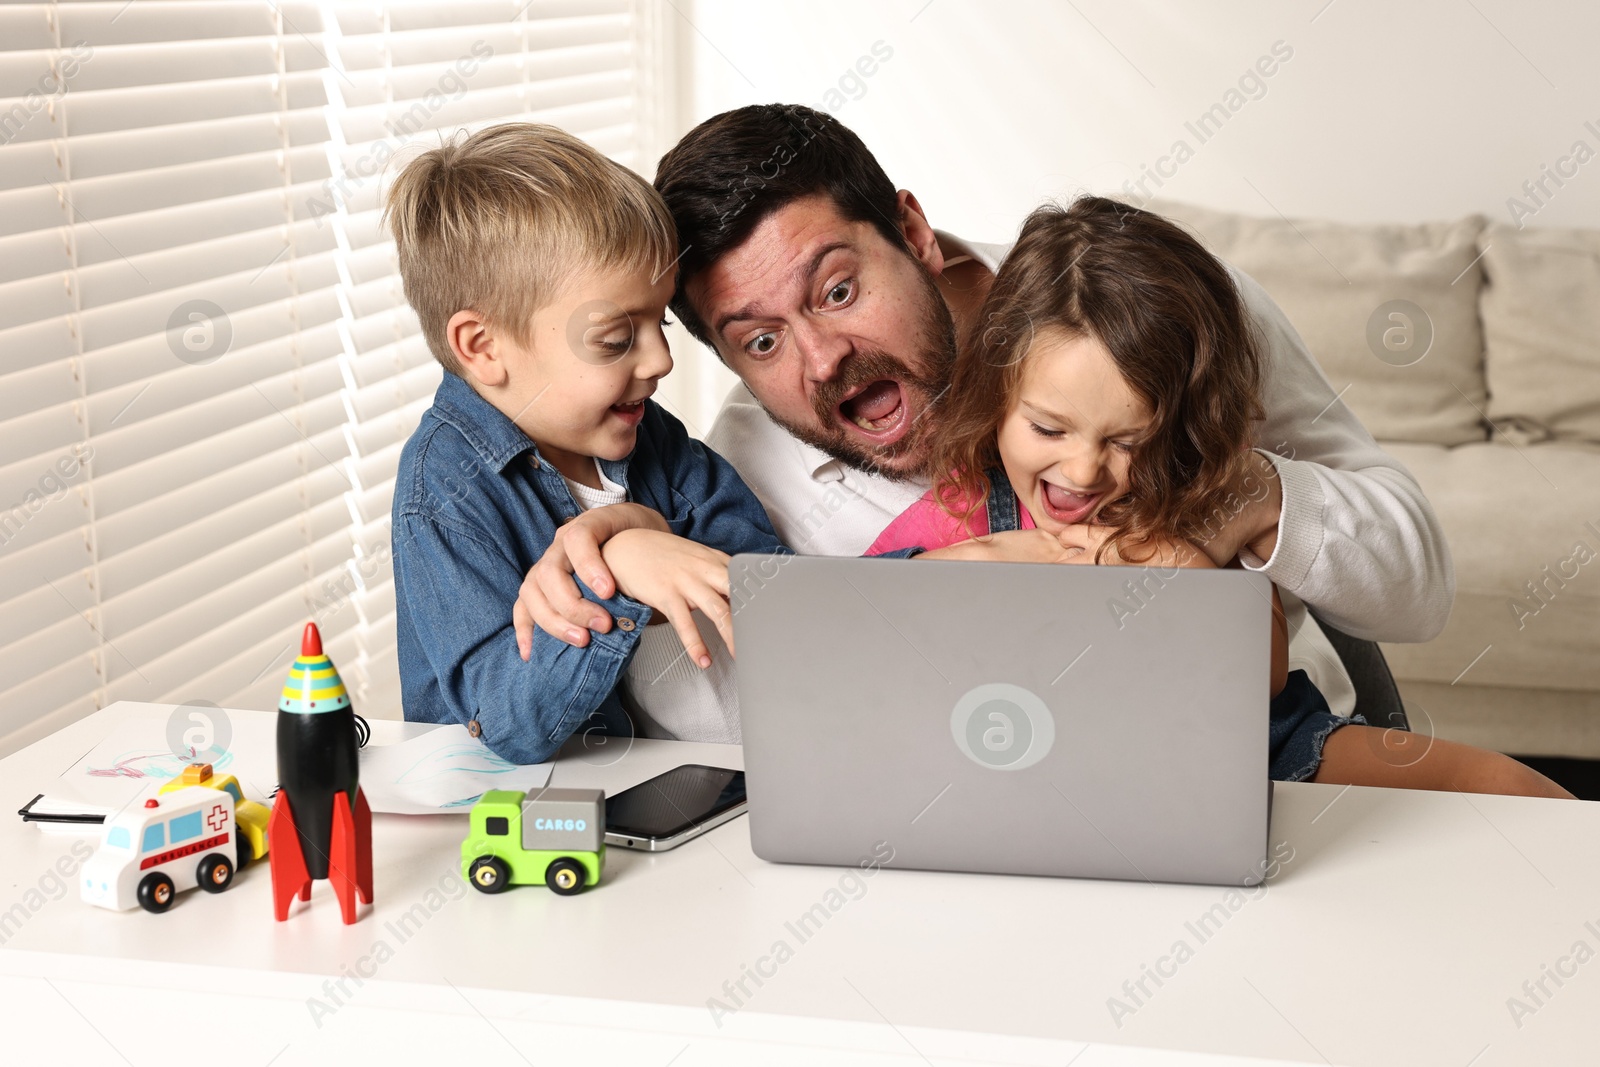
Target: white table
{"x": 1397, "y": 929}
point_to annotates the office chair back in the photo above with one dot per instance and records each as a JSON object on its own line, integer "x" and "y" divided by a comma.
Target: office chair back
{"x": 1377, "y": 696}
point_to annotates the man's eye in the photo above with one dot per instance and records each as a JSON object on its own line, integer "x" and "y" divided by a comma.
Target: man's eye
{"x": 762, "y": 345}
{"x": 1042, "y": 432}
{"x": 665, "y": 322}
{"x": 1125, "y": 447}
{"x": 840, "y": 294}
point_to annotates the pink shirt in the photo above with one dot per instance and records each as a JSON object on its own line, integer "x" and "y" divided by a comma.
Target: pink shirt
{"x": 925, "y": 524}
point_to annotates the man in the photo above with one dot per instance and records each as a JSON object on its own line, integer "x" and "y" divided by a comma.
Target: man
{"x": 827, "y": 291}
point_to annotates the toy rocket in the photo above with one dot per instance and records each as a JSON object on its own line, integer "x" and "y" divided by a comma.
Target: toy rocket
{"x": 321, "y": 826}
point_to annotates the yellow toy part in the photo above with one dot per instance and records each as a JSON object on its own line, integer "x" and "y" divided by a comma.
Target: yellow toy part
{"x": 252, "y": 816}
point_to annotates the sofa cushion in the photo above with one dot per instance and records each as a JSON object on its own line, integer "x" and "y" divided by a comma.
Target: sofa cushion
{"x": 1541, "y": 323}
{"x": 1523, "y": 525}
{"x": 1338, "y": 284}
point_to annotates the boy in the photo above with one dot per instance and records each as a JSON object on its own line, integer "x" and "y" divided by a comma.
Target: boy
{"x": 541, "y": 271}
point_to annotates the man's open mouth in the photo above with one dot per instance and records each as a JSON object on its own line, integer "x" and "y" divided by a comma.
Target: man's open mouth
{"x": 877, "y": 411}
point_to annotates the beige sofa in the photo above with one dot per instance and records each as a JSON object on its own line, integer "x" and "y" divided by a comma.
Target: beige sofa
{"x": 1471, "y": 350}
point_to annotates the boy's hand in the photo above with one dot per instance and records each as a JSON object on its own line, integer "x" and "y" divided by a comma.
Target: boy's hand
{"x": 1010, "y": 546}
{"x": 549, "y": 599}
{"x": 675, "y": 576}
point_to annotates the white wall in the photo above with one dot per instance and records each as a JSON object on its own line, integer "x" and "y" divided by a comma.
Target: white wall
{"x": 1384, "y": 112}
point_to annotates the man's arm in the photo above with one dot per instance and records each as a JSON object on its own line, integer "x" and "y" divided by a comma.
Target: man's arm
{"x": 1354, "y": 537}
{"x": 453, "y": 586}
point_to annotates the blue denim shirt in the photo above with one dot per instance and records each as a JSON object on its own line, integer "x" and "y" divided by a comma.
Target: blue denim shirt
{"x": 475, "y": 506}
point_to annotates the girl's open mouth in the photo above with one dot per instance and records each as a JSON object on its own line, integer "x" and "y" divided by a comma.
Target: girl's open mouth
{"x": 876, "y": 411}
{"x": 1065, "y": 506}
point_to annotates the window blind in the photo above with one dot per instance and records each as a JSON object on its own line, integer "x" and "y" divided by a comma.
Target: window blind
{"x": 207, "y": 365}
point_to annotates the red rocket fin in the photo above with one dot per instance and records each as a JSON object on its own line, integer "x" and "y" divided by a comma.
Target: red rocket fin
{"x": 363, "y": 828}
{"x": 342, "y": 857}
{"x": 350, "y": 854}
{"x": 289, "y": 874}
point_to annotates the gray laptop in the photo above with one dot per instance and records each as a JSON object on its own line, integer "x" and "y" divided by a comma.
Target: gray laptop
{"x": 1095, "y": 722}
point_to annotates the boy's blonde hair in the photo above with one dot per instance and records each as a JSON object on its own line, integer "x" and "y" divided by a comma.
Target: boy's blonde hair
{"x": 499, "y": 222}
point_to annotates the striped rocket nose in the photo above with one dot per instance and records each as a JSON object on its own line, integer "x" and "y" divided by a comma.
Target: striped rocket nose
{"x": 313, "y": 686}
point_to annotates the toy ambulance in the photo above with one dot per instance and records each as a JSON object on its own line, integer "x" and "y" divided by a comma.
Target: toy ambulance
{"x": 555, "y": 837}
{"x": 173, "y": 842}
{"x": 252, "y": 816}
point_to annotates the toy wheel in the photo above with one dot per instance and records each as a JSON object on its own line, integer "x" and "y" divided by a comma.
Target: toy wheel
{"x": 565, "y": 876}
{"x": 156, "y": 892}
{"x": 489, "y": 874}
{"x": 243, "y": 844}
{"x": 216, "y": 873}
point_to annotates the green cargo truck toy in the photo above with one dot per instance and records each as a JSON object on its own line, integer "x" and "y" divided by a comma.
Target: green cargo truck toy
{"x": 556, "y": 837}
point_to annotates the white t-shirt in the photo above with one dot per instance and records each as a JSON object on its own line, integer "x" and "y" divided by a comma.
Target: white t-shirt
{"x": 1356, "y": 537}
{"x": 671, "y": 697}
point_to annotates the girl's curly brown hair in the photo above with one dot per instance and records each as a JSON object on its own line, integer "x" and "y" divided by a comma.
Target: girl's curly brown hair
{"x": 1175, "y": 325}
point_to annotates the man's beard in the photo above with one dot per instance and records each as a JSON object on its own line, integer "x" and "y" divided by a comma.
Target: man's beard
{"x": 922, "y": 390}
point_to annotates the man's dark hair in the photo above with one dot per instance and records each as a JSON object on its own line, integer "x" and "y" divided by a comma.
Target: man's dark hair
{"x": 734, "y": 169}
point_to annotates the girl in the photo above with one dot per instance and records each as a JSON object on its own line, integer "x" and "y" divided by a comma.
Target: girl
{"x": 1109, "y": 396}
